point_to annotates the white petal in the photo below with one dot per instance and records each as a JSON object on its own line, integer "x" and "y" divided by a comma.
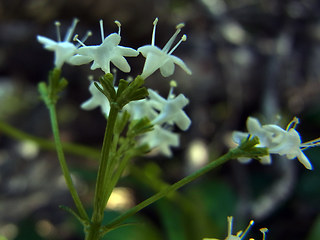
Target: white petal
{"x": 121, "y": 63}
{"x": 79, "y": 60}
{"x": 238, "y": 136}
{"x": 167, "y": 69}
{"x": 89, "y": 104}
{"x": 112, "y": 40}
{"x": 183, "y": 121}
{"x": 304, "y": 160}
{"x": 147, "y": 49}
{"x": 244, "y": 159}
{"x": 127, "y": 52}
{"x": 46, "y": 41}
{"x": 181, "y": 63}
{"x": 253, "y": 125}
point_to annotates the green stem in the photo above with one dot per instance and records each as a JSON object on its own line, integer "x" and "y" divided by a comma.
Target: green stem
{"x": 230, "y": 155}
{"x": 101, "y": 185}
{"x": 63, "y": 164}
{"x": 76, "y": 149}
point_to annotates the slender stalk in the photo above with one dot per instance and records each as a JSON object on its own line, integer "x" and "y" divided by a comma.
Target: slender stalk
{"x": 63, "y": 164}
{"x": 116, "y": 222}
{"x": 101, "y": 186}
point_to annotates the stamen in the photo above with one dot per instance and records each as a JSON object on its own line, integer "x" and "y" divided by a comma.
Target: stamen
{"x": 264, "y": 231}
{"x": 154, "y": 31}
{"x": 58, "y": 24}
{"x": 230, "y": 219}
{"x": 171, "y": 40}
{"x": 101, "y": 29}
{"x": 119, "y": 26}
{"x": 183, "y": 39}
{"x": 76, "y": 39}
{"x": 71, "y": 30}
{"x": 88, "y": 34}
{"x": 173, "y": 84}
{"x": 312, "y": 143}
{"x": 294, "y": 122}
{"x": 247, "y": 229}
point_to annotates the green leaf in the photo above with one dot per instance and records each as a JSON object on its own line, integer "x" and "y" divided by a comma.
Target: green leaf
{"x": 133, "y": 91}
{"x": 123, "y": 84}
{"x": 50, "y": 92}
{"x": 108, "y": 88}
{"x": 69, "y": 210}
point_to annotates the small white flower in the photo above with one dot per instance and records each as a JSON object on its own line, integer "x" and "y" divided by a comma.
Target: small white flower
{"x": 63, "y": 50}
{"x": 161, "y": 139}
{"x": 108, "y": 51}
{"x": 285, "y": 142}
{"x": 162, "y": 59}
{"x": 98, "y": 99}
{"x": 140, "y": 108}
{"x": 170, "y": 109}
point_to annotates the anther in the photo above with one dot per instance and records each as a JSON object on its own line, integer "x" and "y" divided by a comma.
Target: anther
{"x": 155, "y": 21}
{"x": 293, "y": 123}
{"x": 91, "y": 78}
{"x": 264, "y": 231}
{"x": 119, "y": 26}
{"x": 76, "y": 39}
{"x": 173, "y": 84}
{"x": 180, "y": 25}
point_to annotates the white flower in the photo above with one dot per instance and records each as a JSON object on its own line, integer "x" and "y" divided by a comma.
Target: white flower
{"x": 161, "y": 58}
{"x": 161, "y": 139}
{"x": 63, "y": 50}
{"x": 140, "y": 108}
{"x": 108, "y": 51}
{"x": 98, "y": 99}
{"x": 170, "y": 109}
{"x": 278, "y": 141}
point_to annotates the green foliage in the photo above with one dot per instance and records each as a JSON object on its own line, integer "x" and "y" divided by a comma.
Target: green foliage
{"x": 125, "y": 93}
{"x": 50, "y": 92}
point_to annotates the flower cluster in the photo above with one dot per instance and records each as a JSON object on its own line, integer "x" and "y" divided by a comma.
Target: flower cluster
{"x": 109, "y": 51}
{"x": 285, "y": 142}
{"x": 241, "y": 234}
{"x": 163, "y": 113}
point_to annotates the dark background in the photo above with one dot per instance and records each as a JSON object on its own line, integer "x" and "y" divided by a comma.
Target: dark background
{"x": 249, "y": 58}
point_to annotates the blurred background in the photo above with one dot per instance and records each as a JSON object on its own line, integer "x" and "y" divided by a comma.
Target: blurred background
{"x": 248, "y": 57}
